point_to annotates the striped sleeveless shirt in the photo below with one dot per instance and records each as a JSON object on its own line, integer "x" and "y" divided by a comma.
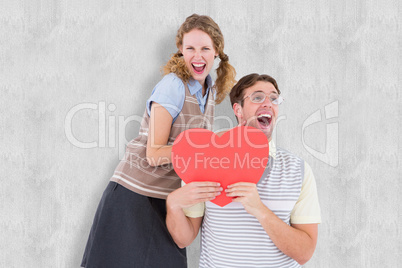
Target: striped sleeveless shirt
{"x": 134, "y": 172}
{"x": 231, "y": 237}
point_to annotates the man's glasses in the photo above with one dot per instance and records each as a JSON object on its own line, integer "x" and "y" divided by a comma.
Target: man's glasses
{"x": 259, "y": 97}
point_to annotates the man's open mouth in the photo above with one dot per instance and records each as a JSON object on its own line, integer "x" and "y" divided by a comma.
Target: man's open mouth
{"x": 198, "y": 67}
{"x": 264, "y": 119}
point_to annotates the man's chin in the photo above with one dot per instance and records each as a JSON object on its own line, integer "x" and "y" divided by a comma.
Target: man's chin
{"x": 268, "y": 134}
{"x": 267, "y": 130}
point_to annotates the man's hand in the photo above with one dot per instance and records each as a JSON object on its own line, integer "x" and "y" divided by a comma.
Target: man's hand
{"x": 247, "y": 194}
{"x": 193, "y": 193}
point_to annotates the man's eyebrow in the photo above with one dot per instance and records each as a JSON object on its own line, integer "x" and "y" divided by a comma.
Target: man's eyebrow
{"x": 274, "y": 91}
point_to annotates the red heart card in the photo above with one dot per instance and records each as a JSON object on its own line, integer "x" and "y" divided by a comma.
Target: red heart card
{"x": 239, "y": 155}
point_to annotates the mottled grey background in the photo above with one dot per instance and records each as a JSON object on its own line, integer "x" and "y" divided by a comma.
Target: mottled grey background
{"x": 55, "y": 56}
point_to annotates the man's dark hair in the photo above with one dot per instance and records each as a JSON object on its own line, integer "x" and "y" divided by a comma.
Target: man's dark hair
{"x": 237, "y": 95}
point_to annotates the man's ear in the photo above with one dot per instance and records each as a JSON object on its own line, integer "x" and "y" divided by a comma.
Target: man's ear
{"x": 238, "y": 111}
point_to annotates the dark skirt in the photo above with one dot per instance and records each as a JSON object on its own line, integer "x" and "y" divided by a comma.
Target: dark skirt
{"x": 129, "y": 230}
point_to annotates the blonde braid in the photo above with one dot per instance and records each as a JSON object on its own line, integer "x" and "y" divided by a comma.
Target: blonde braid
{"x": 225, "y": 80}
{"x": 177, "y": 65}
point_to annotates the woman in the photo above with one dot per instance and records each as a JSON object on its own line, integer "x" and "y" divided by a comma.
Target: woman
{"x": 129, "y": 228}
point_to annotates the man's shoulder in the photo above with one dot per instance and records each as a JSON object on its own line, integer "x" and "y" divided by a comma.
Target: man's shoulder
{"x": 283, "y": 153}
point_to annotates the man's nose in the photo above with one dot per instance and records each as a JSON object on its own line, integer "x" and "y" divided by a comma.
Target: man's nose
{"x": 267, "y": 102}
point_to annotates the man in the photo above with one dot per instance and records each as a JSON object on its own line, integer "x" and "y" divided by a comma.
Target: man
{"x": 271, "y": 224}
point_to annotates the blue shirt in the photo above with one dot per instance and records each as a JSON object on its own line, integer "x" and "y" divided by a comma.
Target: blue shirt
{"x": 170, "y": 93}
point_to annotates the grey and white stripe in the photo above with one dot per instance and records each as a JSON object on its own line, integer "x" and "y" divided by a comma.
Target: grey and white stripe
{"x": 233, "y": 238}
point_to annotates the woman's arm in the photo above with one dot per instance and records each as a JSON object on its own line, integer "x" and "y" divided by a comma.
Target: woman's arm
{"x": 160, "y": 124}
{"x": 182, "y": 228}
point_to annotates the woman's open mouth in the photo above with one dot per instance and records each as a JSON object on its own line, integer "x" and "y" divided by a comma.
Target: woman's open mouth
{"x": 198, "y": 67}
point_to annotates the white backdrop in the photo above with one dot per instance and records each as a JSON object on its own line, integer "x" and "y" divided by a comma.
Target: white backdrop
{"x": 75, "y": 75}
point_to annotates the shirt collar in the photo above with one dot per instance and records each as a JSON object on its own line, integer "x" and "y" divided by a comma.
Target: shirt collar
{"x": 194, "y": 86}
{"x": 272, "y": 149}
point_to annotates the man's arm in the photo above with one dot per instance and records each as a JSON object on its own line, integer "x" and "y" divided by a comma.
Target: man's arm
{"x": 297, "y": 241}
{"x": 184, "y": 229}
